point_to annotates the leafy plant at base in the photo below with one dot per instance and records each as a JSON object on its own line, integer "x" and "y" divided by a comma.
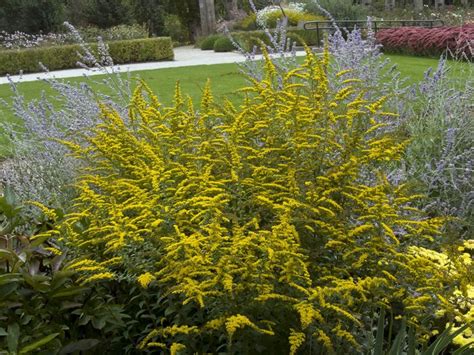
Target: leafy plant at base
{"x": 42, "y": 308}
{"x": 271, "y": 225}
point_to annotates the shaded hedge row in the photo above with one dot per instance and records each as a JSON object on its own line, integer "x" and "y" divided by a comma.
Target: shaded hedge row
{"x": 66, "y": 57}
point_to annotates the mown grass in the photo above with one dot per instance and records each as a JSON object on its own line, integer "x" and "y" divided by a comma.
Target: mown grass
{"x": 225, "y": 78}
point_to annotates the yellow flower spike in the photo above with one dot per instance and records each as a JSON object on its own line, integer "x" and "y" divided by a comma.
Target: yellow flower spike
{"x": 176, "y": 348}
{"x": 145, "y": 279}
{"x": 296, "y": 340}
{"x": 104, "y": 276}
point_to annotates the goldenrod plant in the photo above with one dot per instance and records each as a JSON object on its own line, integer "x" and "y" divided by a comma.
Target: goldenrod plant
{"x": 268, "y": 227}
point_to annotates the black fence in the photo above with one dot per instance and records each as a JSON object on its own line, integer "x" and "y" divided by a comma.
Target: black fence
{"x": 328, "y": 26}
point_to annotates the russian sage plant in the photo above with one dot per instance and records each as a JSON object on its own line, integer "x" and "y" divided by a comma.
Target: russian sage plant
{"x": 38, "y": 167}
{"x": 440, "y": 158}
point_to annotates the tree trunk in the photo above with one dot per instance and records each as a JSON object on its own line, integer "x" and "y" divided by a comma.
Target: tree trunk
{"x": 465, "y": 3}
{"x": 208, "y": 16}
{"x": 418, "y": 5}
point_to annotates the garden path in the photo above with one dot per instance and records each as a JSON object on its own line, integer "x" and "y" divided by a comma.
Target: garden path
{"x": 184, "y": 57}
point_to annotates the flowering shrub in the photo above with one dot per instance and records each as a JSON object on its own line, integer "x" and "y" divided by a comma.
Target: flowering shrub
{"x": 458, "y": 41}
{"x": 270, "y": 15}
{"x": 20, "y": 40}
{"x": 257, "y": 221}
{"x": 339, "y": 9}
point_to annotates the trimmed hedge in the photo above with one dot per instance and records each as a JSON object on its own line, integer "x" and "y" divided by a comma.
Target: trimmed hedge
{"x": 249, "y": 39}
{"x": 429, "y": 41}
{"x": 66, "y": 57}
{"x": 207, "y": 43}
{"x": 223, "y": 44}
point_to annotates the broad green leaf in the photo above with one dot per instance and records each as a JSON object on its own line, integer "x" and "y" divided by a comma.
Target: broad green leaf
{"x": 38, "y": 344}
{"x": 98, "y": 323}
{"x": 3, "y": 332}
{"x": 71, "y": 291}
{"x": 7, "y": 289}
{"x": 12, "y": 337}
{"x": 9, "y": 278}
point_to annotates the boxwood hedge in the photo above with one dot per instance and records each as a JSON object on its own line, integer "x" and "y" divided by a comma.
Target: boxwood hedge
{"x": 66, "y": 57}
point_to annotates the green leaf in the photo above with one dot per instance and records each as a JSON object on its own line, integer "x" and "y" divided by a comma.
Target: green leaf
{"x": 71, "y": 291}
{"x": 81, "y": 345}
{"x": 9, "y": 278}
{"x": 411, "y": 341}
{"x": 444, "y": 340}
{"x": 98, "y": 323}
{"x": 37, "y": 282}
{"x": 378, "y": 348}
{"x": 6, "y": 254}
{"x": 7, "y": 290}
{"x": 3, "y": 332}
{"x": 465, "y": 350}
{"x": 38, "y": 344}
{"x": 12, "y": 337}
{"x": 399, "y": 342}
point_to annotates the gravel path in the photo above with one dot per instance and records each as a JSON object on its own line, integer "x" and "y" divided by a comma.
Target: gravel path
{"x": 184, "y": 57}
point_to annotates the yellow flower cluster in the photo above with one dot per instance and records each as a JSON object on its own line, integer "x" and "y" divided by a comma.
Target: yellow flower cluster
{"x": 145, "y": 279}
{"x": 279, "y": 202}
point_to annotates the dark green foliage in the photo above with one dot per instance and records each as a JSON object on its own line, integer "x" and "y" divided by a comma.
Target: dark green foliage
{"x": 339, "y": 9}
{"x": 42, "y": 308}
{"x": 223, "y": 44}
{"x": 100, "y": 13}
{"x": 248, "y": 39}
{"x": 174, "y": 28}
{"x": 65, "y": 57}
{"x": 154, "y": 13}
{"x": 405, "y": 341}
{"x": 207, "y": 44}
{"x": 31, "y": 16}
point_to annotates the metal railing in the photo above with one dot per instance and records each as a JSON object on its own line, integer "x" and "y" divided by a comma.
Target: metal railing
{"x": 376, "y": 25}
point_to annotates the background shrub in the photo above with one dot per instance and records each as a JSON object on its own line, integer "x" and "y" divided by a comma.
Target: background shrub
{"x": 66, "y": 57}
{"x": 100, "y": 13}
{"x": 223, "y": 44}
{"x": 31, "y": 16}
{"x": 250, "y": 39}
{"x": 207, "y": 43}
{"x": 271, "y": 15}
{"x": 457, "y": 41}
{"x": 175, "y": 29}
{"x": 248, "y": 23}
{"x": 116, "y": 33}
{"x": 339, "y": 9}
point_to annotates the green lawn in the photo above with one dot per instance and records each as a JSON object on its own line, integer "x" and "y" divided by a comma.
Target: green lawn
{"x": 225, "y": 79}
